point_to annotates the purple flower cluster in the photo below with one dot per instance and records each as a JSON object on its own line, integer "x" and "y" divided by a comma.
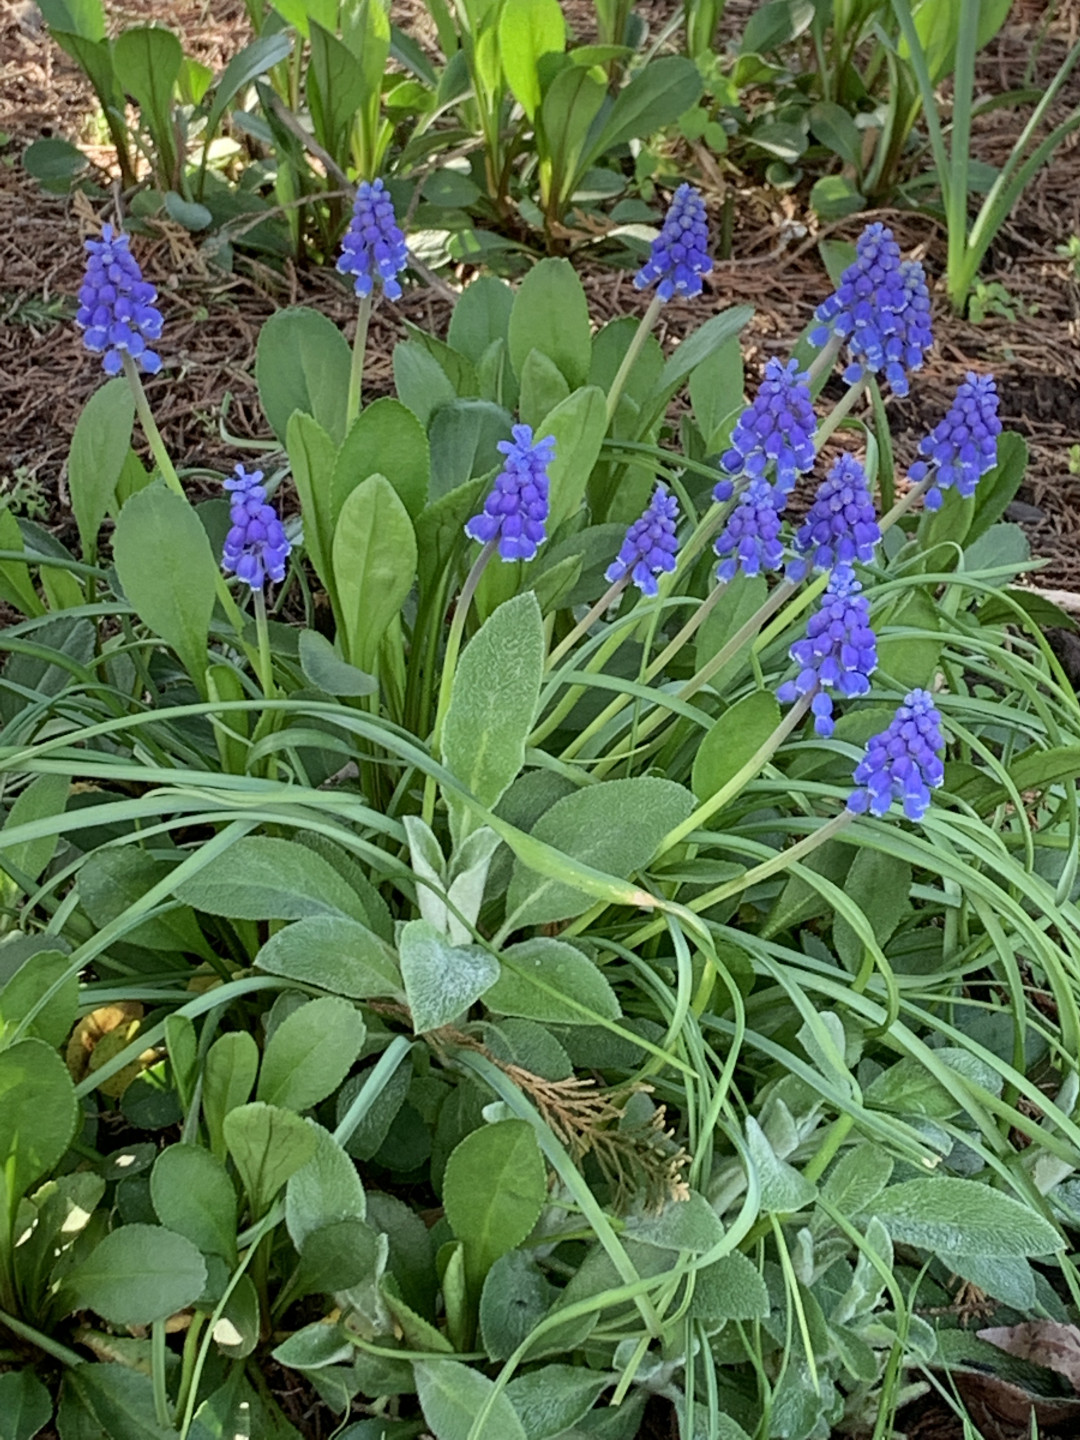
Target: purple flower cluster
{"x": 777, "y": 429}
{"x": 516, "y": 509}
{"x": 679, "y": 256}
{"x": 116, "y": 308}
{"x": 256, "y": 545}
{"x": 963, "y": 446}
{"x": 750, "y": 541}
{"x": 841, "y": 525}
{"x": 902, "y": 762}
{"x": 373, "y": 247}
{"x": 839, "y": 651}
{"x": 650, "y": 545}
{"x": 882, "y": 309}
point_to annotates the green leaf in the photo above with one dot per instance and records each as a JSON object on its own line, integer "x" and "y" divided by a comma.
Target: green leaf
{"x": 38, "y": 1115}
{"x": 733, "y": 741}
{"x": 255, "y": 59}
{"x": 109, "y": 1402}
{"x": 335, "y": 953}
{"x": 542, "y": 388}
{"x": 689, "y": 1224}
{"x": 25, "y": 1407}
{"x": 81, "y": 17}
{"x": 834, "y": 196}
{"x": 494, "y": 1188}
{"x": 267, "y": 1145}
{"x": 857, "y": 1178}
{"x": 528, "y": 30}
{"x": 997, "y": 489}
{"x": 45, "y": 797}
{"x": 729, "y": 1289}
{"x": 420, "y": 381}
{"x": 706, "y": 339}
{"x": 325, "y": 669}
{"x": 339, "y": 1256}
{"x": 515, "y": 1297}
{"x": 550, "y": 980}
{"x": 578, "y": 425}
{"x": 228, "y": 1080}
{"x": 551, "y": 314}
{"x": 834, "y": 128}
{"x": 111, "y": 880}
{"x": 571, "y": 104}
{"x": 31, "y": 981}
{"x": 386, "y": 439}
{"x": 774, "y": 24}
{"x": 312, "y": 456}
{"x": 1009, "y": 1279}
{"x": 302, "y": 362}
{"x": 493, "y": 704}
{"x": 16, "y": 586}
{"x": 908, "y": 1088}
{"x": 716, "y": 390}
{"x": 656, "y": 96}
{"x": 451, "y": 1394}
{"x": 147, "y": 60}
{"x": 614, "y": 827}
{"x": 99, "y": 449}
{"x": 336, "y": 87}
{"x": 481, "y": 316}
{"x": 191, "y": 216}
{"x": 554, "y": 1398}
{"x": 464, "y": 437}
{"x": 168, "y": 571}
{"x": 193, "y": 1195}
{"x": 1035, "y": 769}
{"x": 70, "y": 640}
{"x": 262, "y": 878}
{"x": 783, "y": 1189}
{"x": 964, "y": 1217}
{"x": 310, "y": 1053}
{"x": 441, "y": 980}
{"x": 1003, "y": 544}
{"x": 138, "y": 1274}
{"x": 325, "y": 1190}
{"x": 374, "y": 561}
{"x": 879, "y": 884}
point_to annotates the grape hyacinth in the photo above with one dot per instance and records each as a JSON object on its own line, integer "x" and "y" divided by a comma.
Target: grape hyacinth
{"x": 841, "y": 525}
{"x": 516, "y": 509}
{"x": 256, "y": 546}
{"x": 373, "y": 247}
{"x": 116, "y": 308}
{"x": 902, "y": 762}
{"x": 679, "y": 256}
{"x": 839, "y": 651}
{"x": 650, "y": 545}
{"x": 881, "y": 308}
{"x": 777, "y": 429}
{"x": 963, "y": 446}
{"x": 750, "y": 541}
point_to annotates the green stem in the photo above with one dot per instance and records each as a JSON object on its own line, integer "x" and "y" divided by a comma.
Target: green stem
{"x": 823, "y": 361}
{"x": 262, "y": 629}
{"x": 43, "y": 1342}
{"x": 586, "y": 622}
{"x": 839, "y": 412}
{"x": 157, "y": 1371}
{"x": 187, "y": 1362}
{"x": 356, "y": 370}
{"x": 904, "y": 504}
{"x": 630, "y": 359}
{"x": 837, "y": 1133}
{"x": 450, "y": 659}
{"x": 150, "y": 429}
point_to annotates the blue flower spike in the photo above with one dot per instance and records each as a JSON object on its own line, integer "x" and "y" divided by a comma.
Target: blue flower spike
{"x": 750, "y": 541}
{"x": 963, "y": 447}
{"x": 516, "y": 509}
{"x": 374, "y": 247}
{"x": 777, "y": 430}
{"x": 841, "y": 525}
{"x": 116, "y": 305}
{"x": 650, "y": 546}
{"x": 839, "y": 651}
{"x": 903, "y": 762}
{"x": 882, "y": 309}
{"x": 679, "y": 256}
{"x": 256, "y": 545}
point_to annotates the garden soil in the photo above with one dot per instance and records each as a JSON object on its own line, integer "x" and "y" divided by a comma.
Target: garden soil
{"x": 206, "y": 393}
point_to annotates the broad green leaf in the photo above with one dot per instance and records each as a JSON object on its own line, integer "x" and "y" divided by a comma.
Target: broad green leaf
{"x": 783, "y": 1189}
{"x": 25, "y": 1406}
{"x": 232, "y": 1063}
{"x": 301, "y": 14}
{"x": 38, "y": 1115}
{"x": 44, "y": 797}
{"x": 138, "y": 1274}
{"x": 494, "y": 1188}
{"x": 1009, "y": 1279}
{"x": 325, "y": 1190}
{"x": 464, "y": 436}
{"x": 420, "y": 381}
{"x": 412, "y": 1255}
{"x": 168, "y": 571}
{"x": 33, "y": 979}
{"x": 908, "y": 1088}
{"x": 516, "y": 1295}
{"x": 416, "y": 1332}
{"x": 16, "y": 586}
{"x": 553, "y": 1399}
{"x": 775, "y": 23}
{"x": 493, "y": 704}
{"x": 551, "y": 314}
{"x": 312, "y": 456}
{"x": 997, "y": 489}
{"x": 551, "y": 980}
{"x": 85, "y": 18}
{"x": 267, "y": 1145}
{"x": 68, "y": 646}
{"x": 963, "y": 1217}
{"x": 386, "y": 439}
{"x": 733, "y": 741}
{"x": 568, "y": 112}
{"x": 481, "y": 316}
{"x": 441, "y": 980}
{"x": 302, "y": 362}
{"x": 578, "y": 425}
{"x": 656, "y": 96}
{"x": 689, "y": 1224}
{"x": 338, "y": 1256}
{"x": 147, "y": 59}
{"x": 374, "y": 562}
{"x": 109, "y": 1402}
{"x": 310, "y": 1053}
{"x": 857, "y": 1178}
{"x": 255, "y": 59}
{"x": 336, "y": 87}
{"x": 111, "y": 880}
{"x": 238, "y": 1330}
{"x": 834, "y": 128}
{"x": 451, "y": 1395}
{"x": 716, "y": 390}
{"x": 879, "y": 884}
{"x": 741, "y": 600}
{"x": 326, "y": 670}
{"x": 542, "y": 388}
{"x": 335, "y": 953}
{"x": 263, "y": 878}
{"x": 614, "y": 827}
{"x": 528, "y": 30}
{"x": 1003, "y": 544}
{"x": 729, "y": 1289}
{"x": 716, "y": 332}
{"x": 911, "y": 660}
{"x": 193, "y": 1195}
{"x": 99, "y": 450}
